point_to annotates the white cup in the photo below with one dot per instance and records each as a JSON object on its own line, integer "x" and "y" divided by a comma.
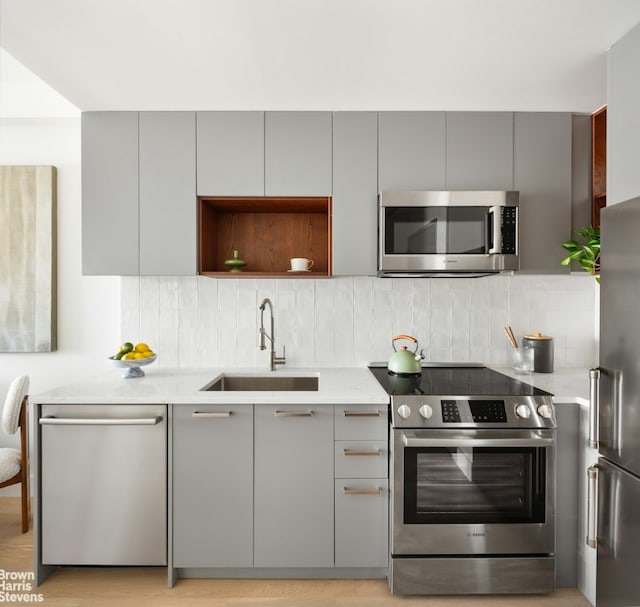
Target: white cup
{"x": 301, "y": 264}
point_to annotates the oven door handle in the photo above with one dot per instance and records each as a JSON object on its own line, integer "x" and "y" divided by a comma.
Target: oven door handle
{"x": 533, "y": 441}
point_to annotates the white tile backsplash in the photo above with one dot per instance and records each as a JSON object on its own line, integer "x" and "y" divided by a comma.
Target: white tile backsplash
{"x": 345, "y": 321}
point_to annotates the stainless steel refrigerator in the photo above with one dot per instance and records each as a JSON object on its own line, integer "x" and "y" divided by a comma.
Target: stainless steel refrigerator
{"x": 614, "y": 482}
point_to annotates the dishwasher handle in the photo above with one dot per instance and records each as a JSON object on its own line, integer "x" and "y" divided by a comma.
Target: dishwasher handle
{"x": 100, "y": 421}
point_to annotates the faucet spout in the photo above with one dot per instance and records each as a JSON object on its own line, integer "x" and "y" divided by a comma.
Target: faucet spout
{"x": 262, "y": 334}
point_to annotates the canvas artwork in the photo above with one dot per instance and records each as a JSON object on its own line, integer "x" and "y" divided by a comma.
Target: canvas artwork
{"x": 27, "y": 258}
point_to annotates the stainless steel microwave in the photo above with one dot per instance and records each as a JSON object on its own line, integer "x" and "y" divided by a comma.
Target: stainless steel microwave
{"x": 455, "y": 233}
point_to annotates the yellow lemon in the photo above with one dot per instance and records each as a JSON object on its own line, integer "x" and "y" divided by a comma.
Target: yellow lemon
{"x": 138, "y": 355}
{"x": 142, "y": 347}
{"x": 147, "y": 354}
{"x": 129, "y": 356}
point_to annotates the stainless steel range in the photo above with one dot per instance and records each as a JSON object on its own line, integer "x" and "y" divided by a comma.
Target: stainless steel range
{"x": 473, "y": 482}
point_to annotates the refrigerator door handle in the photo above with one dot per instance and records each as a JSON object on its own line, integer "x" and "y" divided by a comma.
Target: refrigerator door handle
{"x": 594, "y": 407}
{"x": 592, "y": 506}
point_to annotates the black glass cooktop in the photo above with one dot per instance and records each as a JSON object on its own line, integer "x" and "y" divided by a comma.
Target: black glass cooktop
{"x": 455, "y": 381}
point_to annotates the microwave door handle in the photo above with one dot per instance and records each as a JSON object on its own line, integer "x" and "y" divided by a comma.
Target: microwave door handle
{"x": 495, "y": 230}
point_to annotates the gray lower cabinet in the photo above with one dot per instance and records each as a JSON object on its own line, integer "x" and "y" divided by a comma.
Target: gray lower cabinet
{"x": 230, "y": 152}
{"x": 297, "y": 153}
{"x": 411, "y": 151}
{"x": 110, "y": 193}
{"x": 361, "y": 527}
{"x": 361, "y": 486}
{"x": 213, "y": 485}
{"x": 167, "y": 206}
{"x": 479, "y": 151}
{"x": 294, "y": 486}
{"x": 355, "y": 193}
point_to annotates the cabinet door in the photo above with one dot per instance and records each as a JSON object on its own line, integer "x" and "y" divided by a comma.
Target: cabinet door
{"x": 230, "y": 153}
{"x": 411, "y": 151}
{"x": 110, "y": 193}
{"x": 213, "y": 486}
{"x": 362, "y": 526}
{"x": 355, "y": 181}
{"x": 167, "y": 193}
{"x": 298, "y": 154}
{"x": 542, "y": 174}
{"x": 479, "y": 151}
{"x": 293, "y": 486}
{"x": 623, "y": 123}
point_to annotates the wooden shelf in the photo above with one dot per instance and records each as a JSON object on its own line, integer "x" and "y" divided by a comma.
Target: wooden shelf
{"x": 267, "y": 232}
{"x": 598, "y": 164}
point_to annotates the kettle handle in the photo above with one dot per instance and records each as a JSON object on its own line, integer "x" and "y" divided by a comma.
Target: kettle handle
{"x": 407, "y": 337}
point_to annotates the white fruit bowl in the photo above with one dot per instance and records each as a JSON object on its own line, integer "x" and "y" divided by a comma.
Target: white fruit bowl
{"x": 131, "y": 368}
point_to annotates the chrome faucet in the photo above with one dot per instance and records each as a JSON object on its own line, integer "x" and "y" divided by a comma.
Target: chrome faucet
{"x": 275, "y": 360}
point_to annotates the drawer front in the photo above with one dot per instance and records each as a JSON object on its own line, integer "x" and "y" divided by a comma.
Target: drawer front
{"x": 362, "y": 524}
{"x": 361, "y": 422}
{"x": 361, "y": 459}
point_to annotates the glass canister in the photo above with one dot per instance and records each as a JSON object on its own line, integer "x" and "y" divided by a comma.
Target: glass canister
{"x": 542, "y": 346}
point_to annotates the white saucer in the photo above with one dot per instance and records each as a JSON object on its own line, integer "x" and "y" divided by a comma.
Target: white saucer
{"x": 296, "y": 271}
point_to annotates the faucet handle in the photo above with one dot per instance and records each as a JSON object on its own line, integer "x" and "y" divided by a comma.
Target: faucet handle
{"x": 280, "y": 360}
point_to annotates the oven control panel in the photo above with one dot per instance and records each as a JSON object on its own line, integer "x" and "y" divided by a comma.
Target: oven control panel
{"x": 447, "y": 412}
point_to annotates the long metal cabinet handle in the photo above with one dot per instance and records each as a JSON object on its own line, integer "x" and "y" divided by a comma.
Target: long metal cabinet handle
{"x": 594, "y": 406}
{"x": 202, "y": 414}
{"x": 592, "y": 506}
{"x": 361, "y": 413}
{"x": 476, "y": 442}
{"x": 350, "y": 452}
{"x": 348, "y": 491}
{"x": 293, "y": 413}
{"x": 100, "y": 421}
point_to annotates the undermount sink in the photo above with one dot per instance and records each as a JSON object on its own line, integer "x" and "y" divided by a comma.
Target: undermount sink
{"x": 263, "y": 383}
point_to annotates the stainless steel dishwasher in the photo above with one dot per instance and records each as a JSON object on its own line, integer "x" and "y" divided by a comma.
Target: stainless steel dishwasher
{"x": 103, "y": 484}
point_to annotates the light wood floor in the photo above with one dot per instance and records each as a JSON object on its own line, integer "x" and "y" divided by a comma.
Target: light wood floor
{"x": 142, "y": 587}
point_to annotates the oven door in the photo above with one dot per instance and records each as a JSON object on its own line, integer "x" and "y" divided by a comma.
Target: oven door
{"x": 473, "y": 492}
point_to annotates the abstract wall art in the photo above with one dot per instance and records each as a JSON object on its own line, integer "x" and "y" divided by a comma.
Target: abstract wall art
{"x": 27, "y": 258}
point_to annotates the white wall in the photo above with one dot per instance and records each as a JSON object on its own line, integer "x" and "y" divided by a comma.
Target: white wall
{"x": 39, "y": 127}
{"x": 200, "y": 321}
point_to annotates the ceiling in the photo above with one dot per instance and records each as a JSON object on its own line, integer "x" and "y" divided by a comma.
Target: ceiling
{"x": 517, "y": 55}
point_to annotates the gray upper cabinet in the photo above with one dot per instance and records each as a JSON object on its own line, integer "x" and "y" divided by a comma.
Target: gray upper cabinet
{"x": 230, "y": 153}
{"x": 355, "y": 185}
{"x": 294, "y": 486}
{"x": 479, "y": 151}
{"x": 542, "y": 174}
{"x": 110, "y": 193}
{"x": 623, "y": 125}
{"x": 411, "y": 151}
{"x": 298, "y": 154}
{"x": 212, "y": 493}
{"x": 167, "y": 173}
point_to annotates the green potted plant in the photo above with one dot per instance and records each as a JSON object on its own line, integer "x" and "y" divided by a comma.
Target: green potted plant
{"x": 585, "y": 250}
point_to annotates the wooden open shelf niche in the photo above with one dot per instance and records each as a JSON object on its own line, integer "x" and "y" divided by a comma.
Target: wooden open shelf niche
{"x": 267, "y": 231}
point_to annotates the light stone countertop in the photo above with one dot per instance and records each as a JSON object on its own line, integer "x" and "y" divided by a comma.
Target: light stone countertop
{"x": 339, "y": 386}
{"x": 566, "y": 385}
{"x": 347, "y": 385}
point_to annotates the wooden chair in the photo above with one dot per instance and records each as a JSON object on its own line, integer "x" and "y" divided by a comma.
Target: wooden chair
{"x": 14, "y": 463}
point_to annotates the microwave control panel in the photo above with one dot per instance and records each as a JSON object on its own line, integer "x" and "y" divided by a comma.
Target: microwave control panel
{"x": 509, "y": 230}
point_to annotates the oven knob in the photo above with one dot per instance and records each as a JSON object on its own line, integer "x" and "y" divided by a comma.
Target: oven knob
{"x": 545, "y": 411}
{"x": 426, "y": 411}
{"x": 404, "y": 411}
{"x": 523, "y": 410}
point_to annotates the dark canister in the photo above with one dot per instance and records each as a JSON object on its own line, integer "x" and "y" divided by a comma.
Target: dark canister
{"x": 542, "y": 346}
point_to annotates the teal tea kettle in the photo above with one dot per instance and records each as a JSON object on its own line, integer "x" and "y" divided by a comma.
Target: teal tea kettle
{"x": 405, "y": 362}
